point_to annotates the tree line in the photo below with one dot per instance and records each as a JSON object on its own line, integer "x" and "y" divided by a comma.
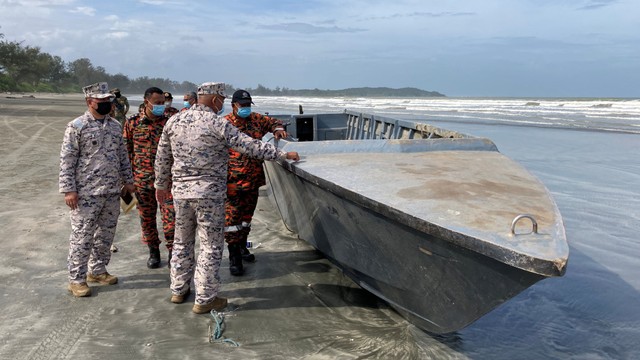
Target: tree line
{"x": 25, "y": 68}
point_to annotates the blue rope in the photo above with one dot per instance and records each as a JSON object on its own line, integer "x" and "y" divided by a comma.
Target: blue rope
{"x": 216, "y": 334}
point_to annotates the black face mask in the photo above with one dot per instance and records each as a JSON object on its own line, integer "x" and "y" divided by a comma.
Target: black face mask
{"x": 117, "y": 94}
{"x": 104, "y": 108}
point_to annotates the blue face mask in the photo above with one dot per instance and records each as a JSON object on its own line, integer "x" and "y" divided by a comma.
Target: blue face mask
{"x": 158, "y": 110}
{"x": 187, "y": 104}
{"x": 243, "y": 112}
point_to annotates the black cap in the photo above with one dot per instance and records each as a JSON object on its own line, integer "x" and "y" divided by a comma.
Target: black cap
{"x": 242, "y": 97}
{"x": 168, "y": 95}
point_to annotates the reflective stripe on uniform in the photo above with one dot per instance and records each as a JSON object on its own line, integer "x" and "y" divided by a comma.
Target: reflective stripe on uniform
{"x": 233, "y": 228}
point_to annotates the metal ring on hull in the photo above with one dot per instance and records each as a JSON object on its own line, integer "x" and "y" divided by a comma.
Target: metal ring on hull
{"x": 534, "y": 223}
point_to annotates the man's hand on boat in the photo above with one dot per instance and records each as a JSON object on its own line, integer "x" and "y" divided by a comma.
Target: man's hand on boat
{"x": 292, "y": 155}
{"x": 280, "y": 134}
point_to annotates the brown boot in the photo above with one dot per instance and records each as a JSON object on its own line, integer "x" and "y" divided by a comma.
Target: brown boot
{"x": 104, "y": 279}
{"x": 217, "y": 304}
{"x": 79, "y": 289}
{"x": 179, "y": 299}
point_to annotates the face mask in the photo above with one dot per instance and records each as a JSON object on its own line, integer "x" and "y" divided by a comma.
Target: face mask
{"x": 243, "y": 112}
{"x": 187, "y": 104}
{"x": 117, "y": 94}
{"x": 158, "y": 110}
{"x": 221, "y": 110}
{"x": 104, "y": 108}
{"x": 167, "y": 103}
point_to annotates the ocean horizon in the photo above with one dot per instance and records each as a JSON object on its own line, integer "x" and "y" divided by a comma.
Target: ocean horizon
{"x": 599, "y": 114}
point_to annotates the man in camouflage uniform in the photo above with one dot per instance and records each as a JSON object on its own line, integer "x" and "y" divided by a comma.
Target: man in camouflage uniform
{"x": 169, "y": 110}
{"x": 244, "y": 178}
{"x": 93, "y": 169}
{"x": 120, "y": 106}
{"x": 141, "y": 135}
{"x": 192, "y": 158}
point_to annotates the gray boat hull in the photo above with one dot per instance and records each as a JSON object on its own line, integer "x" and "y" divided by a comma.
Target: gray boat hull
{"x": 424, "y": 218}
{"x": 437, "y": 286}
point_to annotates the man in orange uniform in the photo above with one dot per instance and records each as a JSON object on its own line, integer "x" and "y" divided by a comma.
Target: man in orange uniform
{"x": 141, "y": 136}
{"x": 245, "y": 176}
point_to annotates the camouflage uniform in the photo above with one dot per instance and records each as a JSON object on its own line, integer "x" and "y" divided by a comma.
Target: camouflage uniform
{"x": 120, "y": 109}
{"x": 245, "y": 176}
{"x": 93, "y": 163}
{"x": 193, "y": 155}
{"x": 141, "y": 136}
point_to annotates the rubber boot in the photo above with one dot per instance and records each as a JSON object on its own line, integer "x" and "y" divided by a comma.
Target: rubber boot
{"x": 154, "y": 257}
{"x": 235, "y": 260}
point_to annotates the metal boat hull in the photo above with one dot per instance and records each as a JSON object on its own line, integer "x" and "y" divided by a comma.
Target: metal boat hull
{"x": 422, "y": 224}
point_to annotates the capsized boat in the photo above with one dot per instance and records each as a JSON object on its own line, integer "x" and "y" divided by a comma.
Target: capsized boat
{"x": 438, "y": 224}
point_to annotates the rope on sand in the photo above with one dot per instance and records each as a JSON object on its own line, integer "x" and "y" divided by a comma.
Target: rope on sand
{"x": 215, "y": 334}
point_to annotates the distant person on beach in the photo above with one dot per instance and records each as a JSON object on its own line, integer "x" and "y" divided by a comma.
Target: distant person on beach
{"x": 120, "y": 106}
{"x": 94, "y": 170}
{"x": 169, "y": 110}
{"x": 141, "y": 136}
{"x": 245, "y": 176}
{"x": 190, "y": 99}
{"x": 191, "y": 165}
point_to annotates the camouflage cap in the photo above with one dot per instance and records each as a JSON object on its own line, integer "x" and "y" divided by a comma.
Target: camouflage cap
{"x": 212, "y": 88}
{"x": 97, "y": 91}
{"x": 114, "y": 90}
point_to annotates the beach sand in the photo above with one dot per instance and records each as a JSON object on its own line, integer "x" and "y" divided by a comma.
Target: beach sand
{"x": 293, "y": 303}
{"x": 290, "y": 304}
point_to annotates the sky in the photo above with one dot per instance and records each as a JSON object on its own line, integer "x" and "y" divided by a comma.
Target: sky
{"x": 462, "y": 48}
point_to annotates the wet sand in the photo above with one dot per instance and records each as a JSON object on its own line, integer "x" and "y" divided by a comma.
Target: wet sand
{"x": 292, "y": 303}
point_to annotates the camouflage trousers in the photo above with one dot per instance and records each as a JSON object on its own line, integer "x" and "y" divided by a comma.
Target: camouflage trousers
{"x": 93, "y": 226}
{"x": 238, "y": 213}
{"x": 204, "y": 218}
{"x": 148, "y": 208}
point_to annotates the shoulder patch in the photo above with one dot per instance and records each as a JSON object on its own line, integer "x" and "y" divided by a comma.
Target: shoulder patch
{"x": 78, "y": 124}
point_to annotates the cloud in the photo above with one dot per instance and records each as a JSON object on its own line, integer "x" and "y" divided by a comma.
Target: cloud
{"x": 117, "y": 35}
{"x": 304, "y": 28}
{"x": 112, "y": 18}
{"x": 89, "y": 11}
{"x": 420, "y": 14}
{"x": 596, "y": 4}
{"x": 191, "y": 38}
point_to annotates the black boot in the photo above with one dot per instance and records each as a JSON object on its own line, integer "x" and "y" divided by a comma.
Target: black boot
{"x": 246, "y": 255}
{"x": 169, "y": 259}
{"x": 154, "y": 257}
{"x": 235, "y": 260}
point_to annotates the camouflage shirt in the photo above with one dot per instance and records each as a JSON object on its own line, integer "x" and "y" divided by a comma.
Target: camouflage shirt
{"x": 93, "y": 158}
{"x": 246, "y": 173}
{"x": 120, "y": 108}
{"x": 141, "y": 137}
{"x": 194, "y": 152}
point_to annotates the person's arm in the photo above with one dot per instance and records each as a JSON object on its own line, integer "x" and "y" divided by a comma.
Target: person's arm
{"x": 126, "y": 174}
{"x": 127, "y": 135}
{"x": 162, "y": 167}
{"x": 276, "y": 126}
{"x": 254, "y": 148}
{"x": 69, "y": 154}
